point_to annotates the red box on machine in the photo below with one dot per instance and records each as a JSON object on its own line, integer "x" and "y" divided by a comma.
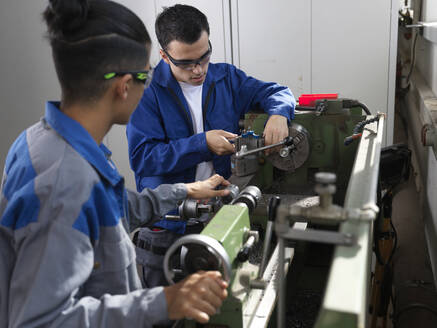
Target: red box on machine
{"x": 309, "y": 100}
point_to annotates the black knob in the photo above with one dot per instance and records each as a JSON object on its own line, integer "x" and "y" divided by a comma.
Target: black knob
{"x": 243, "y": 254}
{"x": 272, "y": 208}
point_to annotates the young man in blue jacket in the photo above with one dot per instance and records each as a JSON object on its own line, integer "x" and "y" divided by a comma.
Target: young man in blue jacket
{"x": 181, "y": 129}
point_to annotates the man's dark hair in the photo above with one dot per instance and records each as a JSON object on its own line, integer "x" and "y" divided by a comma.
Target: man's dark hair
{"x": 181, "y": 23}
{"x": 90, "y": 38}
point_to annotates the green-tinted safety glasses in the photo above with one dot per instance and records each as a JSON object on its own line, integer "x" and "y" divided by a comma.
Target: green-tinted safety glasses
{"x": 142, "y": 76}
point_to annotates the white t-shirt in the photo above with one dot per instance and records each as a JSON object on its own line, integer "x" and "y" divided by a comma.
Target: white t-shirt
{"x": 193, "y": 96}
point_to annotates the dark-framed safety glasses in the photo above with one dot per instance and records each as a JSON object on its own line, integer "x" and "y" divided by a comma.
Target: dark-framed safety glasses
{"x": 190, "y": 64}
{"x": 144, "y": 77}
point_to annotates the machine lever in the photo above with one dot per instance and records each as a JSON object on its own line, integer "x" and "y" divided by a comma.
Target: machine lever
{"x": 271, "y": 215}
{"x": 287, "y": 141}
{"x": 274, "y": 202}
{"x": 243, "y": 254}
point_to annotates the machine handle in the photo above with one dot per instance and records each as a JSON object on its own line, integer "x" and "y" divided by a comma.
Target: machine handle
{"x": 287, "y": 141}
{"x": 210, "y": 243}
{"x": 243, "y": 254}
{"x": 271, "y": 215}
{"x": 272, "y": 208}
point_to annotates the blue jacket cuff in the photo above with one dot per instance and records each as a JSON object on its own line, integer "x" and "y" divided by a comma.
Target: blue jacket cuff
{"x": 202, "y": 146}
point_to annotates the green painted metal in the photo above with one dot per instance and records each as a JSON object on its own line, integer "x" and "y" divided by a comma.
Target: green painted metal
{"x": 328, "y": 152}
{"x": 231, "y": 315}
{"x": 230, "y": 227}
{"x": 231, "y": 224}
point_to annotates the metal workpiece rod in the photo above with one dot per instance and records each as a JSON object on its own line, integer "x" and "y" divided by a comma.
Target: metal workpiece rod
{"x": 173, "y": 217}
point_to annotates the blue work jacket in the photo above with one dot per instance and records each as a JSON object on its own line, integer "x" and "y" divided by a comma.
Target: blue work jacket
{"x": 162, "y": 145}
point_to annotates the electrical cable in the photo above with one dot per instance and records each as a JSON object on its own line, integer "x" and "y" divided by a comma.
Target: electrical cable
{"x": 322, "y": 105}
{"x": 413, "y": 60}
{"x": 413, "y": 48}
{"x": 364, "y": 107}
{"x": 382, "y": 202}
{"x": 349, "y": 103}
{"x": 393, "y": 306}
{"x": 376, "y": 232}
{"x": 358, "y": 130}
{"x": 360, "y": 125}
{"x": 376, "y": 226}
{"x": 395, "y": 238}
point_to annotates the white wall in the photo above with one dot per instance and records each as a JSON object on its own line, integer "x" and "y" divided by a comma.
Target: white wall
{"x": 351, "y": 49}
{"x": 318, "y": 46}
{"x": 26, "y": 69}
{"x": 272, "y": 41}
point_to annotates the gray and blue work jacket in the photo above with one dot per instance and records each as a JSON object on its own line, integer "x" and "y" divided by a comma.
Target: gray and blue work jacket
{"x": 66, "y": 259}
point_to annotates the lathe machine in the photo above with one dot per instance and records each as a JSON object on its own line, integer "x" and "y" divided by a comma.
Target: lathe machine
{"x": 319, "y": 186}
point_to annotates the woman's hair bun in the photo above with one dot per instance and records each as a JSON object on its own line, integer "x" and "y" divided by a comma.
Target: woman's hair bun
{"x": 64, "y": 16}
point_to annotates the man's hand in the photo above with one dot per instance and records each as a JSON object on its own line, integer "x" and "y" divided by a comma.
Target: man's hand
{"x": 275, "y": 131}
{"x": 206, "y": 188}
{"x": 197, "y": 297}
{"x": 218, "y": 142}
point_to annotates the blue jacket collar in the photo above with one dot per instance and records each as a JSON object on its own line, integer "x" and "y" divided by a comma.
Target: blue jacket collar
{"x": 82, "y": 142}
{"x": 163, "y": 76}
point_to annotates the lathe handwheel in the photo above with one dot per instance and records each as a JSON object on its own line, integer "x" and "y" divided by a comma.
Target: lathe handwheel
{"x": 210, "y": 243}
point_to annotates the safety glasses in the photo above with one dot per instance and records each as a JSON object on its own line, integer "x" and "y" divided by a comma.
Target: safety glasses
{"x": 190, "y": 64}
{"x": 144, "y": 77}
